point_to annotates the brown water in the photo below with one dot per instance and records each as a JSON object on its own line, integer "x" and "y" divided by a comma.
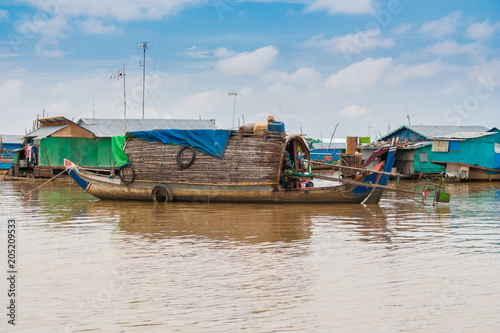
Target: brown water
{"x": 87, "y": 265}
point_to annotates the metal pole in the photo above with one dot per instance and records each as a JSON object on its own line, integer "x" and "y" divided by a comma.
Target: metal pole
{"x": 143, "y": 80}
{"x": 234, "y": 108}
{"x": 124, "y": 102}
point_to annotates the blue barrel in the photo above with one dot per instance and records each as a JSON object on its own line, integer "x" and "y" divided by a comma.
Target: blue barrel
{"x": 276, "y": 129}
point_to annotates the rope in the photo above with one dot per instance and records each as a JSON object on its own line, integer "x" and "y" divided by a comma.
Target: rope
{"x": 48, "y": 181}
{"x": 290, "y": 159}
{"x": 295, "y": 173}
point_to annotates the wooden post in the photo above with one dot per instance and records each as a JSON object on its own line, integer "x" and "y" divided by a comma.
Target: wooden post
{"x": 48, "y": 162}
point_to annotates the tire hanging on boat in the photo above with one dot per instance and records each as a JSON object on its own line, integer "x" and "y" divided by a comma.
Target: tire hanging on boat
{"x": 162, "y": 193}
{"x": 127, "y": 174}
{"x": 183, "y": 164}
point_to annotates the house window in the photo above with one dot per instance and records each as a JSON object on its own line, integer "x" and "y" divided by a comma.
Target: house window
{"x": 453, "y": 147}
{"x": 423, "y": 158}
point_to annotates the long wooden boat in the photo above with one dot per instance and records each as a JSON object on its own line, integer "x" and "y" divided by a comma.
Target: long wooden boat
{"x": 254, "y": 167}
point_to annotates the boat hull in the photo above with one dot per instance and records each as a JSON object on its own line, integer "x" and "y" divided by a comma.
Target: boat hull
{"x": 112, "y": 189}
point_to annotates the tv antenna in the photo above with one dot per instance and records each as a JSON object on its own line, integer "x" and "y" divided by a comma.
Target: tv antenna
{"x": 407, "y": 114}
{"x": 144, "y": 46}
{"x": 121, "y": 75}
{"x": 234, "y": 105}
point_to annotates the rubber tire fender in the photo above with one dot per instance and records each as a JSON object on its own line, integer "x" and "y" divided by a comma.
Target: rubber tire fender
{"x": 179, "y": 154}
{"x": 127, "y": 182}
{"x": 163, "y": 190}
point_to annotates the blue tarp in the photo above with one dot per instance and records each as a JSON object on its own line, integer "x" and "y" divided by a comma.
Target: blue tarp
{"x": 209, "y": 141}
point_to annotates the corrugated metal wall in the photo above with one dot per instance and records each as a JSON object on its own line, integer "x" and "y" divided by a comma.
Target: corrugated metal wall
{"x": 90, "y": 153}
{"x": 480, "y": 151}
{"x": 426, "y": 167}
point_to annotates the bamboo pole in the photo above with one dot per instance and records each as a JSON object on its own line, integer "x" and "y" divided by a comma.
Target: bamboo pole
{"x": 356, "y": 182}
{"x": 356, "y": 169}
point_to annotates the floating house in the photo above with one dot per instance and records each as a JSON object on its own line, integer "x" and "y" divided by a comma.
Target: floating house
{"x": 8, "y": 145}
{"x": 326, "y": 151}
{"x": 414, "y": 156}
{"x": 87, "y": 141}
{"x": 469, "y": 155}
{"x": 331, "y": 150}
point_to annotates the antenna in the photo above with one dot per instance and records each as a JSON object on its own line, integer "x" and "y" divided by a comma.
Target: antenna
{"x": 407, "y": 115}
{"x": 121, "y": 75}
{"x": 144, "y": 46}
{"x": 369, "y": 128}
{"x": 234, "y": 106}
{"x": 93, "y": 104}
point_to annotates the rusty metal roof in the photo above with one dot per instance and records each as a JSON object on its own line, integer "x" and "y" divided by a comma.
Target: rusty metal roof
{"x": 432, "y": 130}
{"x": 461, "y": 136}
{"x": 9, "y": 138}
{"x": 404, "y": 146}
{"x": 45, "y": 131}
{"x": 53, "y": 119}
{"x": 113, "y": 127}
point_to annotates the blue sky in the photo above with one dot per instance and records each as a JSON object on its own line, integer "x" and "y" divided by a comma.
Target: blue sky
{"x": 312, "y": 64}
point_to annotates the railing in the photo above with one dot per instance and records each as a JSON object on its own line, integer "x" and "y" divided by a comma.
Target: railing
{"x": 7, "y": 153}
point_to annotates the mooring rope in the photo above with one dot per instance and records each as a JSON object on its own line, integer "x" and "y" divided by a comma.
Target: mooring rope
{"x": 48, "y": 181}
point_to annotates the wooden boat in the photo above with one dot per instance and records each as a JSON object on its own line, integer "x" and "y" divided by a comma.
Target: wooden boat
{"x": 255, "y": 167}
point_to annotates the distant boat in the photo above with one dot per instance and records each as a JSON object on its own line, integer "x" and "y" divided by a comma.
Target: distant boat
{"x": 226, "y": 166}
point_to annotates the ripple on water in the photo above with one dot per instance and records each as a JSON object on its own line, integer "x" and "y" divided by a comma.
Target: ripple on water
{"x": 136, "y": 266}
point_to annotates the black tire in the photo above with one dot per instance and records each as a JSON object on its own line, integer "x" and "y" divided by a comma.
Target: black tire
{"x": 127, "y": 174}
{"x": 162, "y": 193}
{"x": 184, "y": 164}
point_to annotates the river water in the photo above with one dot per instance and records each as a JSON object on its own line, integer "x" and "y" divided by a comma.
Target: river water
{"x": 86, "y": 265}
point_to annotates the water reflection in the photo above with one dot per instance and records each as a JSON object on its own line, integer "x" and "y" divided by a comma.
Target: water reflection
{"x": 473, "y": 210}
{"x": 242, "y": 223}
{"x": 137, "y": 266}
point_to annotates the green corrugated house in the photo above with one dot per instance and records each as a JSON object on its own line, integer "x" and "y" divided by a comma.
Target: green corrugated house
{"x": 86, "y": 142}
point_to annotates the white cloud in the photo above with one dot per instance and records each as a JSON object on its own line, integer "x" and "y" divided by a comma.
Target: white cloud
{"x": 303, "y": 75}
{"x": 352, "y": 43}
{"x": 443, "y": 26}
{"x": 10, "y": 91}
{"x": 54, "y": 28}
{"x": 304, "y": 79}
{"x": 343, "y": 6}
{"x": 480, "y": 30}
{"x": 403, "y": 72}
{"x": 94, "y": 26}
{"x": 49, "y": 31}
{"x": 59, "y": 108}
{"x": 450, "y": 47}
{"x": 124, "y": 10}
{"x": 4, "y": 15}
{"x": 360, "y": 75}
{"x": 354, "y": 111}
{"x": 48, "y": 48}
{"x": 206, "y": 102}
{"x": 403, "y": 28}
{"x": 248, "y": 63}
{"x": 223, "y": 52}
{"x": 196, "y": 53}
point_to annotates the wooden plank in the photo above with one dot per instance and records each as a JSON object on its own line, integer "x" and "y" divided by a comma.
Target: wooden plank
{"x": 247, "y": 159}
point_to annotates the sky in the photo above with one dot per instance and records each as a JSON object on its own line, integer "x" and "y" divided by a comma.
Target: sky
{"x": 323, "y": 67}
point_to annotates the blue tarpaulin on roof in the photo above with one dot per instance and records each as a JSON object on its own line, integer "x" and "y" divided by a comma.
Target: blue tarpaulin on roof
{"x": 208, "y": 141}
